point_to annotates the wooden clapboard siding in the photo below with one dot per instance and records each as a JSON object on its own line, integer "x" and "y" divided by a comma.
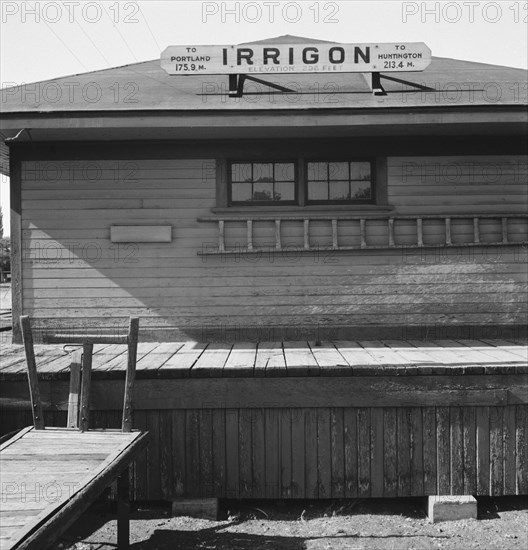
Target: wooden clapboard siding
{"x": 458, "y": 185}
{"x": 72, "y": 274}
{"x": 325, "y": 452}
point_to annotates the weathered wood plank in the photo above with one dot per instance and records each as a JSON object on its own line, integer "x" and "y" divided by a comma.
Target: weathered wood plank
{"x": 178, "y": 452}
{"x": 508, "y": 444}
{"x": 496, "y": 451}
{"x": 377, "y": 453}
{"x": 232, "y": 453}
{"x": 300, "y": 360}
{"x": 241, "y": 360}
{"x": 258, "y": 455}
{"x": 430, "y": 483}
{"x": 298, "y": 454}
{"x": 219, "y": 452}
{"x": 521, "y": 447}
{"x": 206, "y": 452}
{"x": 364, "y": 474}
{"x": 390, "y": 456}
{"x": 350, "y": 452}
{"x": 244, "y": 442}
{"x": 416, "y": 450}
{"x": 211, "y": 362}
{"x": 443, "y": 450}
{"x": 469, "y": 445}
{"x": 337, "y": 453}
{"x": 483, "y": 450}
{"x": 456, "y": 451}
{"x": 272, "y": 451}
{"x": 324, "y": 453}
{"x": 192, "y": 450}
{"x": 310, "y": 437}
{"x": 285, "y": 457}
{"x": 403, "y": 450}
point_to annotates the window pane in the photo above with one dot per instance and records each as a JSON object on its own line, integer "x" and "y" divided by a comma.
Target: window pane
{"x": 241, "y": 192}
{"x": 360, "y": 171}
{"x": 263, "y": 191}
{"x": 317, "y": 171}
{"x": 263, "y": 172}
{"x": 338, "y": 171}
{"x": 339, "y": 191}
{"x": 285, "y": 191}
{"x": 241, "y": 172}
{"x": 318, "y": 191}
{"x": 360, "y": 191}
{"x": 284, "y": 171}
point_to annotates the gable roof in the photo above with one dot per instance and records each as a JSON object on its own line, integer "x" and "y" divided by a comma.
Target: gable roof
{"x": 146, "y": 86}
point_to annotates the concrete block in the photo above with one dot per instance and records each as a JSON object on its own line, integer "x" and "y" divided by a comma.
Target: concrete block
{"x": 451, "y": 508}
{"x": 205, "y": 508}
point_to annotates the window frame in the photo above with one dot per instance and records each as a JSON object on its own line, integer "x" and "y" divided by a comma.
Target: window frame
{"x": 373, "y": 182}
{"x": 229, "y": 181}
{"x": 379, "y": 182}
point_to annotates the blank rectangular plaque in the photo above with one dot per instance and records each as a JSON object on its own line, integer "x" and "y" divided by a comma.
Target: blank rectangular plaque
{"x": 141, "y": 233}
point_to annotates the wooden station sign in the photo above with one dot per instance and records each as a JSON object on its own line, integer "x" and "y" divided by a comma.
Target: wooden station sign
{"x": 315, "y": 57}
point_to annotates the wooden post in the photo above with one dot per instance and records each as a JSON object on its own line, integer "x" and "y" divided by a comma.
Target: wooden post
{"x": 363, "y": 232}
{"x": 334, "y": 234}
{"x": 307, "y": 234}
{"x": 419, "y": 232}
{"x": 250, "y": 234}
{"x": 448, "y": 231}
{"x": 34, "y": 391}
{"x": 123, "y": 511}
{"x": 505, "y": 230}
{"x": 278, "y": 243}
{"x": 85, "y": 386}
{"x": 221, "y": 239}
{"x": 133, "y": 332}
{"x": 390, "y": 221}
{"x": 75, "y": 386}
{"x": 476, "y": 231}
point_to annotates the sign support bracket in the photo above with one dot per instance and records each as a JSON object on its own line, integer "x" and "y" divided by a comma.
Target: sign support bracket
{"x": 236, "y": 85}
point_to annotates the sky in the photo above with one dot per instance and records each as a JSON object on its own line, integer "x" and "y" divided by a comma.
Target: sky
{"x": 40, "y": 40}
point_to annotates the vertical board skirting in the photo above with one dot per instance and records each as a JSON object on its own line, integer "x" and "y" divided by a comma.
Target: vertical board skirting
{"x": 322, "y": 452}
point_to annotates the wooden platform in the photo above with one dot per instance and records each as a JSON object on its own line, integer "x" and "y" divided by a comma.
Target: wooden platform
{"x": 275, "y": 359}
{"x": 48, "y": 477}
{"x": 297, "y": 420}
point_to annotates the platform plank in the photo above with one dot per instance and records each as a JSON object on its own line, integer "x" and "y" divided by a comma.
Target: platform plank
{"x": 62, "y": 472}
{"x": 273, "y": 359}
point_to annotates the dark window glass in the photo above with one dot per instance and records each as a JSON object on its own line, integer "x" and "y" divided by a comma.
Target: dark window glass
{"x": 339, "y": 182}
{"x": 262, "y": 183}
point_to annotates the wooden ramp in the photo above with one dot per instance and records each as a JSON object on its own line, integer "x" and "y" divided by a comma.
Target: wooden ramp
{"x": 48, "y": 477}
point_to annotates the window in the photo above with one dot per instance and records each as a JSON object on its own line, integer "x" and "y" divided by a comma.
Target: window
{"x": 263, "y": 183}
{"x": 339, "y": 182}
{"x": 300, "y": 183}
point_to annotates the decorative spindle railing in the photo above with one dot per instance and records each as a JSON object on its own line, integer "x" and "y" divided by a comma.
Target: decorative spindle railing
{"x": 392, "y": 241}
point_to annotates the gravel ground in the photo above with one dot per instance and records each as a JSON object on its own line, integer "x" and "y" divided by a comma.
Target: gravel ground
{"x": 388, "y": 524}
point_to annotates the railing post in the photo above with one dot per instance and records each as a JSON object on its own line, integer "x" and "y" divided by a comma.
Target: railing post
{"x": 278, "y": 244}
{"x": 476, "y": 231}
{"x": 419, "y": 233}
{"x": 505, "y": 230}
{"x": 307, "y": 234}
{"x": 221, "y": 239}
{"x": 390, "y": 222}
{"x": 250, "y": 234}
{"x": 448, "y": 231}
{"x": 334, "y": 233}
{"x": 363, "y": 232}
